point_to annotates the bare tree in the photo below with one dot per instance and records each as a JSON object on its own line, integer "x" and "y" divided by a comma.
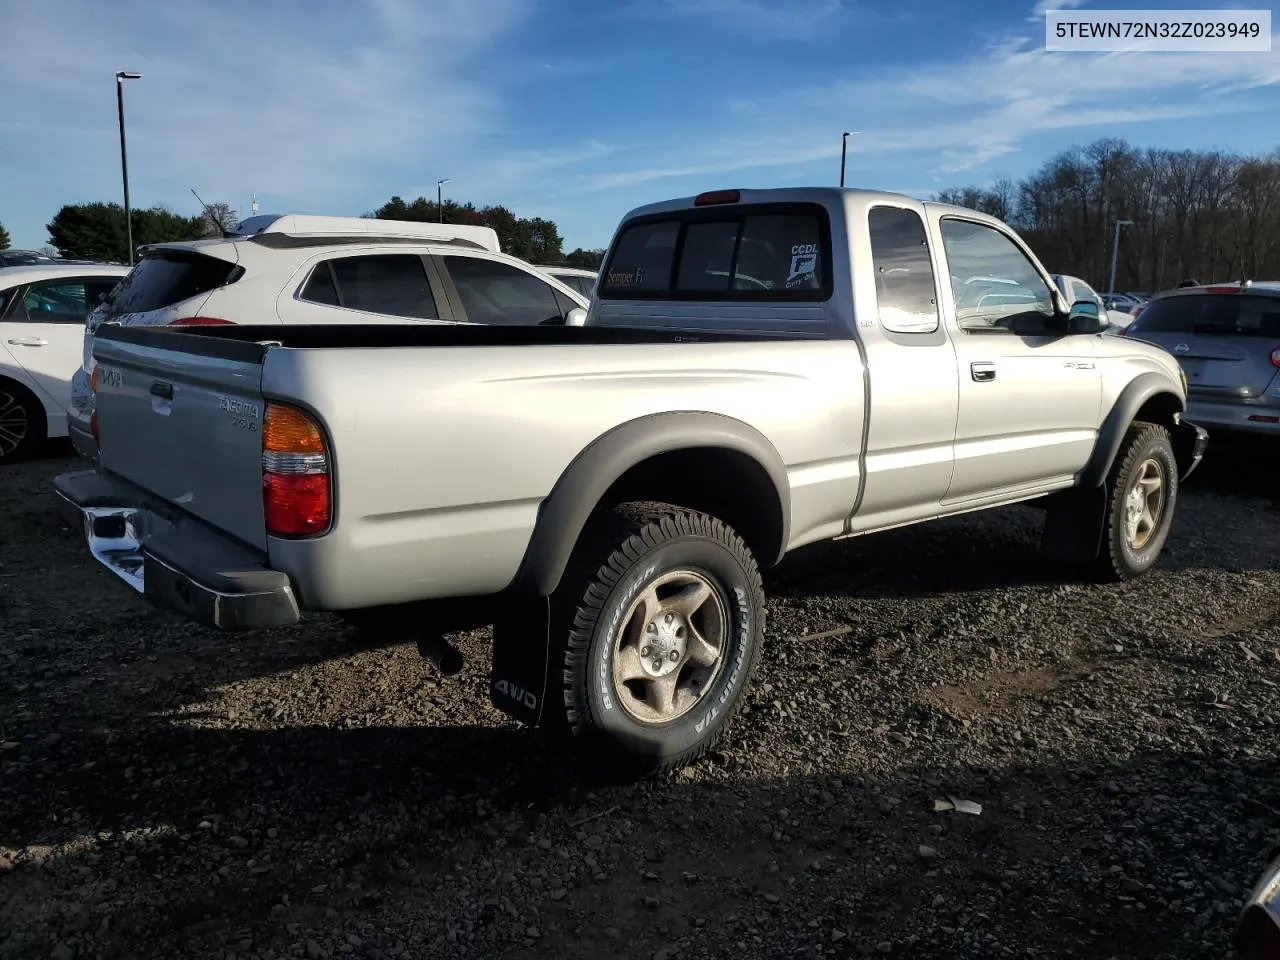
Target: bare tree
{"x": 219, "y": 218}
{"x": 1204, "y": 214}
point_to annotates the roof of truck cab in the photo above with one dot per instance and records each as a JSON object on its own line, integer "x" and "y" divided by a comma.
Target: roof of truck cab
{"x": 821, "y": 195}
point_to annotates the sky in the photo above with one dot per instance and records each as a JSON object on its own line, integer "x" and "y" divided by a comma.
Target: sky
{"x": 574, "y": 110}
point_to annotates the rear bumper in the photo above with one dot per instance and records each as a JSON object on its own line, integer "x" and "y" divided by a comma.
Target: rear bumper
{"x": 176, "y": 562}
{"x": 1234, "y": 417}
{"x": 82, "y": 440}
{"x": 79, "y": 414}
{"x": 1189, "y": 444}
{"x": 1257, "y": 931}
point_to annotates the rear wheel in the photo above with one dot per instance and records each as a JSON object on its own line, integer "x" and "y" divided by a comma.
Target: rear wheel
{"x": 22, "y": 422}
{"x": 664, "y": 611}
{"x": 1142, "y": 489}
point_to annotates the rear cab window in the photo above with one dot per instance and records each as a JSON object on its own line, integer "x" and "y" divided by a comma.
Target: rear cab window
{"x": 752, "y": 252}
{"x": 1228, "y": 314}
{"x": 164, "y": 278}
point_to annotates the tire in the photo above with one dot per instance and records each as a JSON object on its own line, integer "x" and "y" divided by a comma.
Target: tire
{"x": 22, "y": 422}
{"x": 1145, "y": 454}
{"x": 606, "y": 611}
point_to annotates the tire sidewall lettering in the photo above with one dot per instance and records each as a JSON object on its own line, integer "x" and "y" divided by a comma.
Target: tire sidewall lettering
{"x": 604, "y": 669}
{"x": 1139, "y": 561}
{"x": 716, "y": 563}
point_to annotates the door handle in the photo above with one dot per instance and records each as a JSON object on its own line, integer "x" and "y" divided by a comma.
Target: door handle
{"x": 28, "y": 342}
{"x": 982, "y": 370}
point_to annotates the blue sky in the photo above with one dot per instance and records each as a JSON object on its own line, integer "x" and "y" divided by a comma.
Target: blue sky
{"x": 575, "y": 110}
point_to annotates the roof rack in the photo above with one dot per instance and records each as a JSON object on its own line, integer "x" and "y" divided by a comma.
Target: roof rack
{"x": 307, "y": 230}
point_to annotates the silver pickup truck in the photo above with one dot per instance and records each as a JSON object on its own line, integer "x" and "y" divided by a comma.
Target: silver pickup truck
{"x": 759, "y": 370}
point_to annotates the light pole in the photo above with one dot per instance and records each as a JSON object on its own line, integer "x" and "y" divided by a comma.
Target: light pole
{"x": 440, "y": 197}
{"x": 844, "y": 152}
{"x": 121, "y": 77}
{"x": 1115, "y": 251}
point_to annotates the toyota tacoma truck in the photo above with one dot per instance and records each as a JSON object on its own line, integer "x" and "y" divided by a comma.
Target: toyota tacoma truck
{"x": 759, "y": 370}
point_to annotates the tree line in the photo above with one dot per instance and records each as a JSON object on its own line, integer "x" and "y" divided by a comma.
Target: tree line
{"x": 96, "y": 231}
{"x": 1204, "y": 215}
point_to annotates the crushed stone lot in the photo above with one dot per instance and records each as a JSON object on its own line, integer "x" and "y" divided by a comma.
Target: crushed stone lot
{"x": 167, "y": 791}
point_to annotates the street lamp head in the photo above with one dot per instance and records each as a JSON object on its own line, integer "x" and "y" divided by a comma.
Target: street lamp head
{"x": 125, "y": 75}
{"x": 445, "y": 180}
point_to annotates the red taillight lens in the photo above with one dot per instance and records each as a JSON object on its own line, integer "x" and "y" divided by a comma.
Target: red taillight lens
{"x": 200, "y": 322}
{"x": 296, "y": 504}
{"x": 296, "y": 493}
{"x": 1275, "y": 357}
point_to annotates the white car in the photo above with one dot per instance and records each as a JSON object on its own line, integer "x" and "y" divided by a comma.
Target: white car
{"x": 584, "y": 281}
{"x": 42, "y": 315}
{"x": 293, "y": 269}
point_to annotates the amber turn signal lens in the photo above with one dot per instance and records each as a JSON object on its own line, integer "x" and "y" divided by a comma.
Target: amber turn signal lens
{"x": 289, "y": 430}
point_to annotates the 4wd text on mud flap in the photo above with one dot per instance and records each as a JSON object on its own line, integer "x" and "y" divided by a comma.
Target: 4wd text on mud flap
{"x": 518, "y": 694}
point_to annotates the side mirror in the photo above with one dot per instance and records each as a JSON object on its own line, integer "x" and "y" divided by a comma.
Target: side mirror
{"x": 1084, "y": 318}
{"x": 577, "y": 317}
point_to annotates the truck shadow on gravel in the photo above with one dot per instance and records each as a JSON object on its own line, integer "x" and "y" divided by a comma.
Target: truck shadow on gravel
{"x": 198, "y": 842}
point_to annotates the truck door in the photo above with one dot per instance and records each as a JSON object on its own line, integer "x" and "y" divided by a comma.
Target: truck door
{"x": 1029, "y": 397}
{"x": 911, "y": 368}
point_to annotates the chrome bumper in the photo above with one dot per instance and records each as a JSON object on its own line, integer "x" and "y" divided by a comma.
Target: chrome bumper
{"x": 176, "y": 562}
{"x": 1258, "y": 931}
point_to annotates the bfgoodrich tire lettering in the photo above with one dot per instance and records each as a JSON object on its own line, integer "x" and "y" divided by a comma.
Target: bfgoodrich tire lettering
{"x": 674, "y": 573}
{"x": 1142, "y": 490}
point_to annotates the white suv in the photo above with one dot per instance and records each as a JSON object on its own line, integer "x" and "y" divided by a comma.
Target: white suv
{"x": 325, "y": 270}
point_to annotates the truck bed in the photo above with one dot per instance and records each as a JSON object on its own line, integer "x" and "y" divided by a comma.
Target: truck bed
{"x": 244, "y": 342}
{"x": 441, "y": 458}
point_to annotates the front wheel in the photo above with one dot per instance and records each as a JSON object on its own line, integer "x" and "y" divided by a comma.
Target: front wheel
{"x": 1142, "y": 488}
{"x": 665, "y": 614}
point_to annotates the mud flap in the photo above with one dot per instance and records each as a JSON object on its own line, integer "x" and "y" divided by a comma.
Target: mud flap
{"x": 1074, "y": 526}
{"x": 518, "y": 685}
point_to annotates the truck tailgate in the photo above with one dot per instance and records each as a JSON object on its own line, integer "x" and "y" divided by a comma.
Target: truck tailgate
{"x": 186, "y": 426}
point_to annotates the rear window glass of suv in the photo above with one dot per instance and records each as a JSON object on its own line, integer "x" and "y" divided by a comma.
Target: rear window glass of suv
{"x": 1230, "y": 314}
{"x": 161, "y": 280}
{"x": 744, "y": 253}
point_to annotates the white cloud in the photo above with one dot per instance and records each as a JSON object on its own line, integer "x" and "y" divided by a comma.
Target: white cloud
{"x": 765, "y": 18}
{"x": 957, "y": 114}
{"x": 236, "y": 99}
{"x": 1044, "y": 6}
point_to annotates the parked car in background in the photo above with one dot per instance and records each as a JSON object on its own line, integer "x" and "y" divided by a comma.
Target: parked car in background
{"x": 759, "y": 370}
{"x": 42, "y": 316}
{"x": 291, "y": 269}
{"x": 1121, "y": 302}
{"x": 24, "y": 258}
{"x": 1227, "y": 339}
{"x": 584, "y": 281}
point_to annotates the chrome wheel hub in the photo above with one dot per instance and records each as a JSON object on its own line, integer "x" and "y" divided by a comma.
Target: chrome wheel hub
{"x": 1144, "y": 503}
{"x": 669, "y": 646}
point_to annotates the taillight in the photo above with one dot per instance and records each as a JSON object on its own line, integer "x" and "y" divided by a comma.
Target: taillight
{"x": 296, "y": 493}
{"x": 1275, "y": 357}
{"x": 716, "y": 196}
{"x": 200, "y": 322}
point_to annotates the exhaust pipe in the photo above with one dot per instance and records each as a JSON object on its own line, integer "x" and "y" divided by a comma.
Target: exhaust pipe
{"x": 442, "y": 654}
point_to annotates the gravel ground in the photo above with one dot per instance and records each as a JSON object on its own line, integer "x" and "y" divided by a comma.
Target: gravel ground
{"x": 167, "y": 791}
